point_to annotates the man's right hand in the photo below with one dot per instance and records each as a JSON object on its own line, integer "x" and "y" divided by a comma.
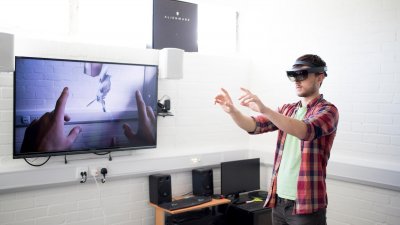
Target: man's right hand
{"x": 225, "y": 101}
{"x": 247, "y": 123}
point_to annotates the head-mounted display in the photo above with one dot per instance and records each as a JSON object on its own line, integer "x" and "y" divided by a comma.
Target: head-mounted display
{"x": 297, "y": 74}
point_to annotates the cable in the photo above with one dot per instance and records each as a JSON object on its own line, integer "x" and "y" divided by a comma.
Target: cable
{"x": 189, "y": 193}
{"x": 37, "y": 165}
{"x": 101, "y": 201}
{"x": 184, "y": 195}
{"x": 103, "y": 171}
{"x": 164, "y": 96}
{"x": 104, "y": 153}
{"x": 101, "y": 153}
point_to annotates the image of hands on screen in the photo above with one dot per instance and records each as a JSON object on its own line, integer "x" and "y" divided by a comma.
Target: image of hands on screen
{"x": 47, "y": 133}
{"x": 71, "y": 107}
{"x": 147, "y": 120}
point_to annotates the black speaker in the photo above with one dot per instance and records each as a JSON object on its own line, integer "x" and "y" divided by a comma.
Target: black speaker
{"x": 203, "y": 182}
{"x": 160, "y": 188}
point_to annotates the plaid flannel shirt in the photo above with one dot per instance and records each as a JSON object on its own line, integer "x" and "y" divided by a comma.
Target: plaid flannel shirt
{"x": 321, "y": 119}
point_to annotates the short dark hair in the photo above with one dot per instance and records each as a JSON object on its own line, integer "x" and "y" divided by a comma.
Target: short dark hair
{"x": 313, "y": 59}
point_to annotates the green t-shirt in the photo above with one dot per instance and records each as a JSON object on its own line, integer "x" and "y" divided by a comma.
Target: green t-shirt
{"x": 290, "y": 163}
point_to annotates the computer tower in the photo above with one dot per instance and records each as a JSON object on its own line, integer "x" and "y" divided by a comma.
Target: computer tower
{"x": 202, "y": 181}
{"x": 160, "y": 188}
{"x": 238, "y": 216}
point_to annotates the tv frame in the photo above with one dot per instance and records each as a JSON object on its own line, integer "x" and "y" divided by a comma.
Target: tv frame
{"x": 82, "y": 151}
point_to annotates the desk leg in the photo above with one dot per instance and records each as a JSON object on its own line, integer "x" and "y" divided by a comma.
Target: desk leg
{"x": 160, "y": 217}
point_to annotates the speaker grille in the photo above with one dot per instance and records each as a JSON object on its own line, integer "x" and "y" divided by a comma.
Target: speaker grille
{"x": 202, "y": 182}
{"x": 160, "y": 188}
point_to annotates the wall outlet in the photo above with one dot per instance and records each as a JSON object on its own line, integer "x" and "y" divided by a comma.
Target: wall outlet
{"x": 94, "y": 172}
{"x": 81, "y": 169}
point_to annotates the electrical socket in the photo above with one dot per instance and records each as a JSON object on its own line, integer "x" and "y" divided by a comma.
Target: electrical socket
{"x": 81, "y": 169}
{"x": 94, "y": 172}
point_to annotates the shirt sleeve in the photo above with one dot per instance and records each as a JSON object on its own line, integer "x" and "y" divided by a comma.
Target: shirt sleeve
{"x": 263, "y": 124}
{"x": 322, "y": 123}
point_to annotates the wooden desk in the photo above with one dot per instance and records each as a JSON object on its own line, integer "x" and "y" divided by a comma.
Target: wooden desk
{"x": 160, "y": 212}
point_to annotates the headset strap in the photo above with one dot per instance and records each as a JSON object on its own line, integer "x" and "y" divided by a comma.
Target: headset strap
{"x": 299, "y": 62}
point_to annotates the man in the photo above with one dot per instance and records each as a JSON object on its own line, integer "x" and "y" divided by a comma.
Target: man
{"x": 306, "y": 132}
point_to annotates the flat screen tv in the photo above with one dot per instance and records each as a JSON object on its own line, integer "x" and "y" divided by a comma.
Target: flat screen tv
{"x": 64, "y": 107}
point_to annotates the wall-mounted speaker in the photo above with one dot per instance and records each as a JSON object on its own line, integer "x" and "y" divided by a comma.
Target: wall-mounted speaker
{"x": 202, "y": 182}
{"x": 7, "y": 52}
{"x": 160, "y": 188}
{"x": 170, "y": 63}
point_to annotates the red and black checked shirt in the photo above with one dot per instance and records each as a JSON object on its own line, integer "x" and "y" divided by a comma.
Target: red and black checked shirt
{"x": 321, "y": 119}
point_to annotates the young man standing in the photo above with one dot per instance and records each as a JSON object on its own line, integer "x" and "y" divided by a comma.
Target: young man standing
{"x": 306, "y": 132}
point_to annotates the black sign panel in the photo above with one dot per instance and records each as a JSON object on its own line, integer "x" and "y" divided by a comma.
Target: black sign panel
{"x": 175, "y": 25}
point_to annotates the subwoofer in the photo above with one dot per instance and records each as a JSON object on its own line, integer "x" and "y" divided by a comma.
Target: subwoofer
{"x": 160, "y": 188}
{"x": 202, "y": 182}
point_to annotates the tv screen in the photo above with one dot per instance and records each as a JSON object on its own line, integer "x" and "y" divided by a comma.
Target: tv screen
{"x": 70, "y": 107}
{"x": 240, "y": 176}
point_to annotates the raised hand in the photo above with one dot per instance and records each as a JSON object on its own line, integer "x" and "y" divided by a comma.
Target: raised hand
{"x": 225, "y": 101}
{"x": 251, "y": 101}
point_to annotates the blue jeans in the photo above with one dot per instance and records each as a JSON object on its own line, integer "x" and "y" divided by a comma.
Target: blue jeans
{"x": 282, "y": 214}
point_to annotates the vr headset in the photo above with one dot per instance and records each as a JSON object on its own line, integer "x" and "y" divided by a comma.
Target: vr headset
{"x": 302, "y": 74}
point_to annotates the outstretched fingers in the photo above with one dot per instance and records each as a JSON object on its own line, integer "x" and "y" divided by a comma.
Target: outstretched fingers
{"x": 141, "y": 105}
{"x": 73, "y": 134}
{"x": 60, "y": 105}
{"x": 226, "y": 94}
{"x": 247, "y": 99}
{"x": 128, "y": 132}
{"x": 246, "y": 93}
{"x": 150, "y": 115}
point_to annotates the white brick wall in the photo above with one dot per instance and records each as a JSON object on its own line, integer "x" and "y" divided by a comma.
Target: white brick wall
{"x": 360, "y": 42}
{"x": 359, "y": 204}
{"x": 124, "y": 201}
